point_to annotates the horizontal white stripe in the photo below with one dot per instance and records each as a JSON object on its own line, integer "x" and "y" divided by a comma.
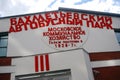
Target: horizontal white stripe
{"x": 7, "y": 69}
{"x": 105, "y": 63}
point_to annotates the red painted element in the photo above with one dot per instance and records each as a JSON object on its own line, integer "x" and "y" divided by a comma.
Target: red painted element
{"x": 36, "y": 63}
{"x": 5, "y": 76}
{"x": 47, "y": 62}
{"x": 41, "y": 63}
{"x": 36, "y": 21}
{"x": 5, "y": 61}
{"x": 100, "y": 56}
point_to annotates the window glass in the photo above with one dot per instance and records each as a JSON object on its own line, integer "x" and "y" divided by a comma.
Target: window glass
{"x": 3, "y": 51}
{"x": 117, "y": 33}
{"x": 118, "y": 36}
{"x": 55, "y": 75}
{"x": 3, "y": 43}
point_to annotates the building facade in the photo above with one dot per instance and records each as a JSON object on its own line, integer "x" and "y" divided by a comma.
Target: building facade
{"x": 66, "y": 44}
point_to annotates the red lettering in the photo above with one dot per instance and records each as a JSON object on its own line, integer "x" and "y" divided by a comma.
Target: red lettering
{"x": 56, "y": 18}
{"x": 38, "y": 18}
{"x": 54, "y": 22}
{"x": 100, "y": 18}
{"x": 33, "y": 25}
{"x": 20, "y": 21}
{"x": 108, "y": 20}
{"x": 76, "y": 37}
{"x": 41, "y": 24}
{"x": 69, "y": 21}
{"x": 48, "y": 16}
{"x": 18, "y": 28}
{"x": 25, "y": 27}
{"x": 28, "y": 21}
{"x": 78, "y": 22}
{"x": 12, "y": 29}
{"x": 13, "y": 21}
{"x": 82, "y": 33}
{"x": 97, "y": 25}
{"x": 69, "y": 15}
{"x": 84, "y": 17}
{"x": 62, "y": 15}
{"x": 47, "y": 22}
{"x": 76, "y": 16}
{"x": 61, "y": 20}
{"x": 91, "y": 18}
{"x": 90, "y": 23}
{"x": 102, "y": 24}
{"x": 55, "y": 15}
{"x": 108, "y": 26}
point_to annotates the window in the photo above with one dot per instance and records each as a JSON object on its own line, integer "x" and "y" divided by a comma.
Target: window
{"x": 3, "y": 43}
{"x": 117, "y": 32}
{"x": 54, "y": 75}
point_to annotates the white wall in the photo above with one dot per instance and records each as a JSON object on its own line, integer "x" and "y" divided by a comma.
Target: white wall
{"x": 4, "y": 25}
{"x": 76, "y": 60}
{"x": 116, "y": 22}
{"x": 101, "y": 40}
{"x": 30, "y": 42}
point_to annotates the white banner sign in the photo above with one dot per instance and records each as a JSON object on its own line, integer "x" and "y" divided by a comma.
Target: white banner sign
{"x": 52, "y": 31}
